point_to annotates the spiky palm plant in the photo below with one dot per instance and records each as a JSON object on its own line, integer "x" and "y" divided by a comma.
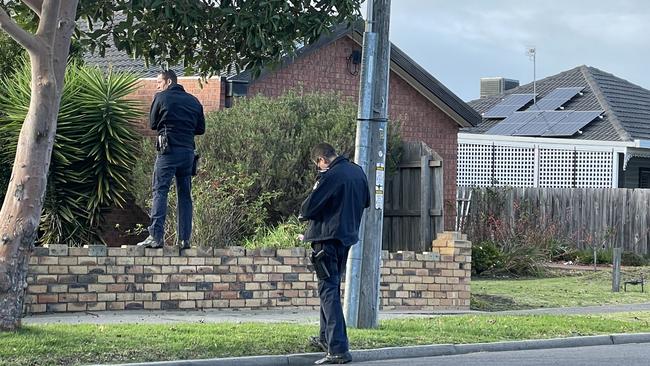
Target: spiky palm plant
{"x": 93, "y": 152}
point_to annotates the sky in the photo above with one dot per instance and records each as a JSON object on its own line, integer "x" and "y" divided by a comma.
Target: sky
{"x": 460, "y": 41}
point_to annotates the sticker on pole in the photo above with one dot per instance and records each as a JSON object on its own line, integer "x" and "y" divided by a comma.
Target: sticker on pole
{"x": 379, "y": 186}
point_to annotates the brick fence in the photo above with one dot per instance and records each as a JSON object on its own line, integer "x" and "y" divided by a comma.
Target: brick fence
{"x": 63, "y": 279}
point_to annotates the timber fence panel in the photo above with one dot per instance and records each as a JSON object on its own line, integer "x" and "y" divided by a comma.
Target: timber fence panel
{"x": 609, "y": 217}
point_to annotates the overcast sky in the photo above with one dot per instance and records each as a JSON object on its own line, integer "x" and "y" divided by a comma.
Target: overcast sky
{"x": 460, "y": 41}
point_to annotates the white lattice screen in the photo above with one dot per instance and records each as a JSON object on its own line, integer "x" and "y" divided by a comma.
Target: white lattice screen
{"x": 514, "y": 166}
{"x": 594, "y": 169}
{"x": 556, "y": 168}
{"x": 474, "y": 165}
{"x": 485, "y": 165}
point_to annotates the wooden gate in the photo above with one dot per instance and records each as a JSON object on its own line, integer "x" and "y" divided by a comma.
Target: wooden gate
{"x": 413, "y": 207}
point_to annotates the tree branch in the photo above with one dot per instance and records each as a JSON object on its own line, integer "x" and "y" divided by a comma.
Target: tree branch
{"x": 49, "y": 18}
{"x": 35, "y": 5}
{"x": 24, "y": 38}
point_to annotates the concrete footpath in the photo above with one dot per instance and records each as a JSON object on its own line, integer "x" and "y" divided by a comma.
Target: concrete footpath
{"x": 307, "y": 317}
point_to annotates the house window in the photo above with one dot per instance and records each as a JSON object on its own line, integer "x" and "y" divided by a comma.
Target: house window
{"x": 644, "y": 177}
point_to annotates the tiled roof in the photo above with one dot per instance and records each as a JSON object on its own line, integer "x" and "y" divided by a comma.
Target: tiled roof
{"x": 626, "y": 106}
{"x": 121, "y": 61}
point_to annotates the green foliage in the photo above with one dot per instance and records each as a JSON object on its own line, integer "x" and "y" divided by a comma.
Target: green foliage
{"x": 255, "y": 166}
{"x": 586, "y": 256}
{"x": 93, "y": 151}
{"x": 210, "y": 36}
{"x": 225, "y": 210}
{"x": 485, "y": 256}
{"x": 284, "y": 235}
{"x": 633, "y": 259}
{"x": 274, "y": 137}
{"x": 560, "y": 251}
{"x": 10, "y": 56}
{"x": 605, "y": 256}
{"x": 524, "y": 244}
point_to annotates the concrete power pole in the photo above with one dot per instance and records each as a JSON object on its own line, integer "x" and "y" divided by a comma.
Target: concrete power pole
{"x": 361, "y": 302}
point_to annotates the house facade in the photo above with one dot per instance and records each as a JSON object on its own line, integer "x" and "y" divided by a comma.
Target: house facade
{"x": 581, "y": 128}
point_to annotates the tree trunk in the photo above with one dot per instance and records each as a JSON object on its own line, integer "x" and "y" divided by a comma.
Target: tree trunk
{"x": 21, "y": 210}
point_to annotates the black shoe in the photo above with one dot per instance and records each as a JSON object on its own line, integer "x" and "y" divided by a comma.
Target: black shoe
{"x": 317, "y": 342}
{"x": 150, "y": 242}
{"x": 333, "y": 358}
{"x": 184, "y": 244}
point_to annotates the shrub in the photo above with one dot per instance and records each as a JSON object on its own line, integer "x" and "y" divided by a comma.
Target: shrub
{"x": 485, "y": 256}
{"x": 586, "y": 256}
{"x": 225, "y": 211}
{"x": 284, "y": 235}
{"x": 93, "y": 153}
{"x": 633, "y": 259}
{"x": 255, "y": 166}
{"x": 272, "y": 137}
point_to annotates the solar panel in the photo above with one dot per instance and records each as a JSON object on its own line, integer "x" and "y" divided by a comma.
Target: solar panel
{"x": 573, "y": 123}
{"x": 555, "y": 99}
{"x": 541, "y": 123}
{"x": 508, "y": 105}
{"x": 512, "y": 123}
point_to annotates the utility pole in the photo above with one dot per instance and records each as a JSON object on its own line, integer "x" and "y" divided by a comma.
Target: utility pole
{"x": 361, "y": 302}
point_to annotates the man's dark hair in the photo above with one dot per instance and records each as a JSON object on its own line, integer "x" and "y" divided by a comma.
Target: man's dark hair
{"x": 323, "y": 150}
{"x": 169, "y": 75}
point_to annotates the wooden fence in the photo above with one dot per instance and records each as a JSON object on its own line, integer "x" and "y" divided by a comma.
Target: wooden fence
{"x": 602, "y": 217}
{"x": 413, "y": 204}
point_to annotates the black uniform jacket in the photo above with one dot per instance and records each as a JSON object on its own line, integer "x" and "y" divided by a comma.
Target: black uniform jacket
{"x": 180, "y": 113}
{"x": 335, "y": 205}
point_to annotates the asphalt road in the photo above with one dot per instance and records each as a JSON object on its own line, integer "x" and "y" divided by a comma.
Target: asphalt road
{"x": 612, "y": 355}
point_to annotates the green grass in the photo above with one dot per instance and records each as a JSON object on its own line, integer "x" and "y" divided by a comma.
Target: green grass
{"x": 37, "y": 345}
{"x": 571, "y": 289}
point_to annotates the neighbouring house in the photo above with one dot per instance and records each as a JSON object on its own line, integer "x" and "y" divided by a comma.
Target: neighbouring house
{"x": 427, "y": 110}
{"x": 580, "y": 128}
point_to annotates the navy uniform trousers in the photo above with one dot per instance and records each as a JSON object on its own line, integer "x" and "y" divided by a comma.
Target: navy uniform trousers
{"x": 332, "y": 321}
{"x": 177, "y": 164}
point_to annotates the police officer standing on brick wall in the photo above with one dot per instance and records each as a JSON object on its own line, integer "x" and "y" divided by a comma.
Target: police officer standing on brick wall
{"x": 177, "y": 116}
{"x": 334, "y": 209}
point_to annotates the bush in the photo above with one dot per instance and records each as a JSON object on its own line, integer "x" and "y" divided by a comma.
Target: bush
{"x": 225, "y": 211}
{"x": 255, "y": 166}
{"x": 485, "y": 256}
{"x": 559, "y": 251}
{"x": 273, "y": 137}
{"x": 586, "y": 256}
{"x": 605, "y": 256}
{"x": 284, "y": 235}
{"x": 93, "y": 152}
{"x": 633, "y": 259}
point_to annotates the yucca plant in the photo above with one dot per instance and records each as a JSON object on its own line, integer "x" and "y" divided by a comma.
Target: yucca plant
{"x": 94, "y": 148}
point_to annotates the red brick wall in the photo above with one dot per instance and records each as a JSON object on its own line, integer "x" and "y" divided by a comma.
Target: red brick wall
{"x": 211, "y": 95}
{"x": 327, "y": 70}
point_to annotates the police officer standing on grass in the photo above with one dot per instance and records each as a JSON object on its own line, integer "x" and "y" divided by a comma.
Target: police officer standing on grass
{"x": 334, "y": 209}
{"x": 177, "y": 116}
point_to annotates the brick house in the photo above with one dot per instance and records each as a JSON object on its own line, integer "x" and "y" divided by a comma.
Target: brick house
{"x": 427, "y": 110}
